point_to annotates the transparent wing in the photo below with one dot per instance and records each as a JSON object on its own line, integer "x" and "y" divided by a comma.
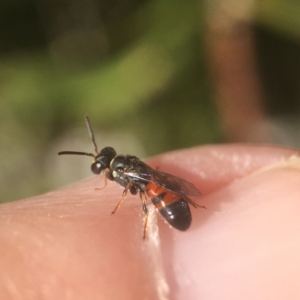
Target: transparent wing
{"x": 172, "y": 183}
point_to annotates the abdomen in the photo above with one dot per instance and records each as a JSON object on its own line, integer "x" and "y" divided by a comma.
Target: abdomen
{"x": 173, "y": 208}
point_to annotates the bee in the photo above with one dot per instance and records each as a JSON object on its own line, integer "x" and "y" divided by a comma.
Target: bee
{"x": 168, "y": 193}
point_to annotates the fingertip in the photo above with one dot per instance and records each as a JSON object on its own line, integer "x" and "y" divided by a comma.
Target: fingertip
{"x": 71, "y": 232}
{"x": 246, "y": 240}
{"x": 68, "y": 242}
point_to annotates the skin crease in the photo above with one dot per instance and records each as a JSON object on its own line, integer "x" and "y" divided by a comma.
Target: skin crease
{"x": 66, "y": 245}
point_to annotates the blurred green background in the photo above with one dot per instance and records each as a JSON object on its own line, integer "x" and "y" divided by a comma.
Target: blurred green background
{"x": 149, "y": 74}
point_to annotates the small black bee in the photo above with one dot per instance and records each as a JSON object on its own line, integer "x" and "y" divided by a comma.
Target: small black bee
{"x": 168, "y": 193}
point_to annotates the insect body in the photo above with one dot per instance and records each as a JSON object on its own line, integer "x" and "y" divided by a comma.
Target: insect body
{"x": 171, "y": 206}
{"x": 168, "y": 193}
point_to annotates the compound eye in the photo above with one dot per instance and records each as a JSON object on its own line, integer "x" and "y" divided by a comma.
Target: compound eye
{"x": 96, "y": 167}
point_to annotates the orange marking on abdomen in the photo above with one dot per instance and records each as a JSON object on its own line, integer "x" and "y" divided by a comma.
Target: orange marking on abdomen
{"x": 153, "y": 191}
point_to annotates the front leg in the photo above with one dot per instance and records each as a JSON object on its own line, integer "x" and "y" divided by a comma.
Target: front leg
{"x": 107, "y": 175}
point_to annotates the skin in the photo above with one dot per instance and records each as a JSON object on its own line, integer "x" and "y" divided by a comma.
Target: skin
{"x": 66, "y": 245}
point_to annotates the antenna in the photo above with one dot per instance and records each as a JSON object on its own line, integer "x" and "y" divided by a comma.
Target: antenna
{"x": 91, "y": 133}
{"x": 90, "y": 130}
{"x": 76, "y": 153}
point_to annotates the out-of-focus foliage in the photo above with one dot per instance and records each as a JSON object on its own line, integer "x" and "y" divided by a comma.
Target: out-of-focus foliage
{"x": 280, "y": 15}
{"x": 134, "y": 67}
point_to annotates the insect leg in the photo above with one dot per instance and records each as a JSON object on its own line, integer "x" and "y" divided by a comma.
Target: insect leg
{"x": 145, "y": 210}
{"x": 128, "y": 186}
{"x": 193, "y": 203}
{"x": 106, "y": 173}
